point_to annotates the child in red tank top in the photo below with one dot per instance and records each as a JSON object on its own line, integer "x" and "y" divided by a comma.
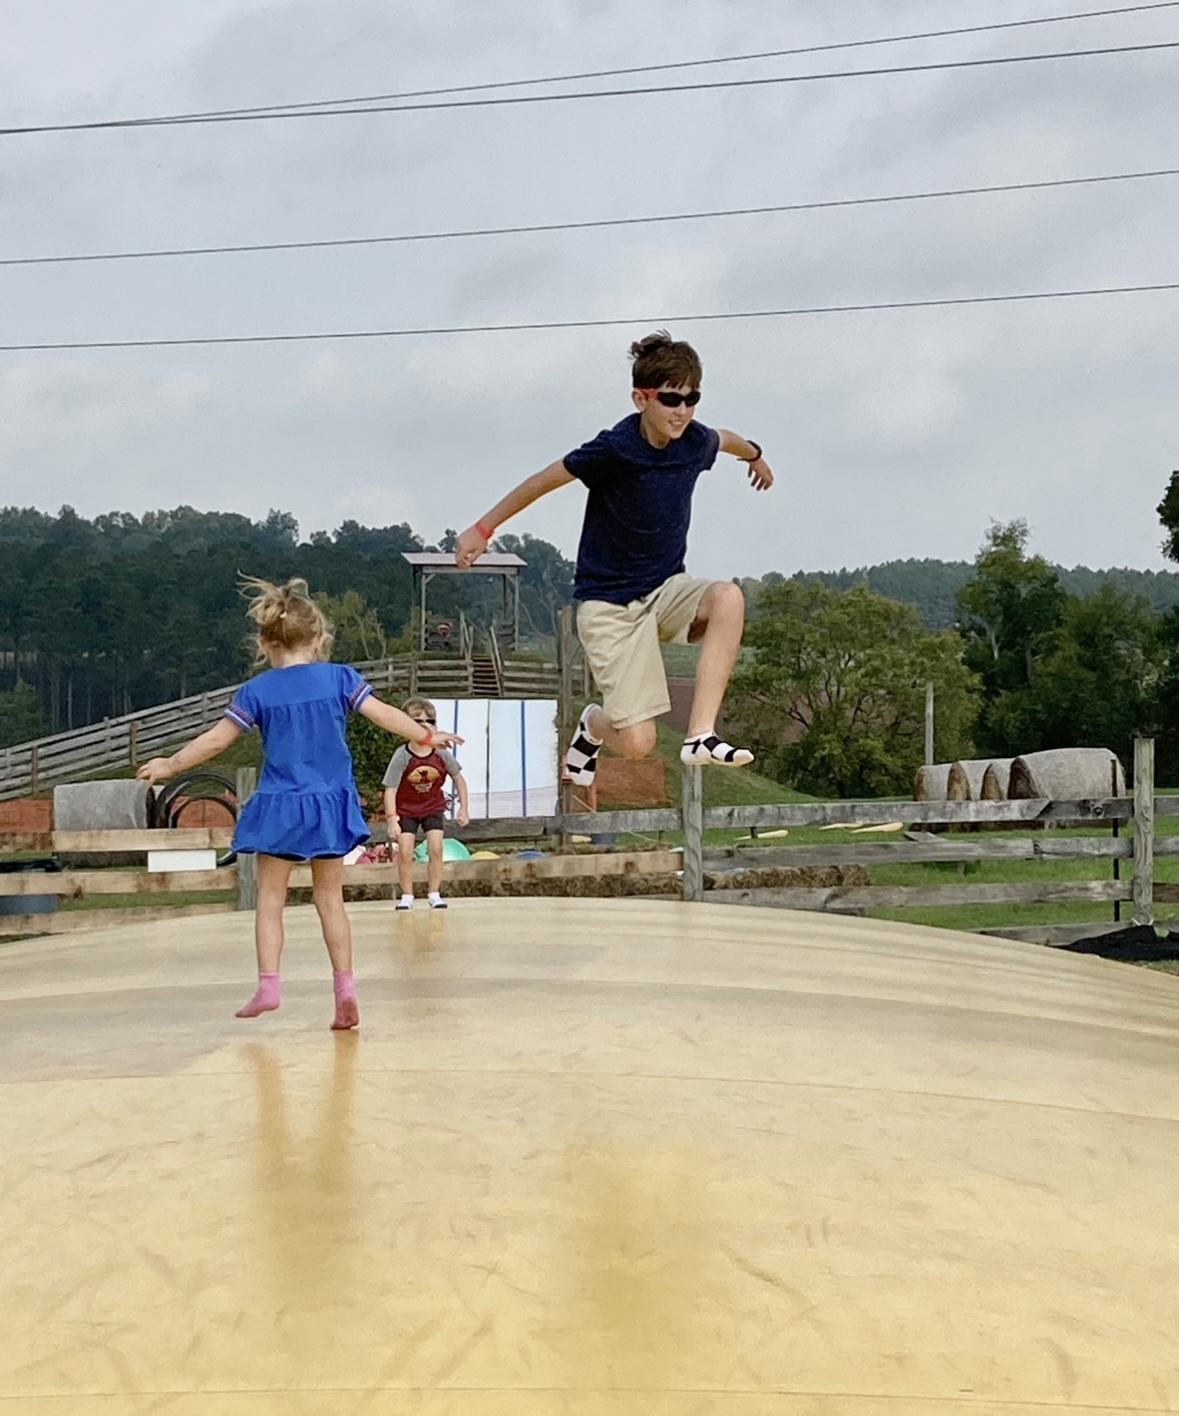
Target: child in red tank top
{"x": 415, "y": 800}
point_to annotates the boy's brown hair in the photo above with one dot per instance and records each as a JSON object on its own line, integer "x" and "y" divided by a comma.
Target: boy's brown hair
{"x": 658, "y": 359}
{"x": 420, "y": 705}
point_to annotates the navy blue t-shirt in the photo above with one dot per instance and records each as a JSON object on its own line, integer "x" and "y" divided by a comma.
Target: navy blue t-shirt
{"x": 635, "y": 533}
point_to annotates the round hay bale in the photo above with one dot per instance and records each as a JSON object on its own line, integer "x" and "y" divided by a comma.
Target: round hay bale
{"x": 1067, "y": 774}
{"x": 996, "y": 779}
{"x": 929, "y": 783}
{"x": 965, "y": 781}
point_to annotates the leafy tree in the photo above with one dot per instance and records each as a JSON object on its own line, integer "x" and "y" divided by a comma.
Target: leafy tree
{"x": 20, "y": 717}
{"x": 1168, "y": 510}
{"x": 1099, "y": 683}
{"x": 1011, "y": 611}
{"x": 834, "y": 699}
{"x": 371, "y": 748}
{"x": 358, "y": 631}
{"x": 546, "y": 583}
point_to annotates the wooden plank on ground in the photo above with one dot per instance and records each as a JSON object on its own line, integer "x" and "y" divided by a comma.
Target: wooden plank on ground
{"x": 188, "y": 838}
{"x": 912, "y": 896}
{"x": 554, "y": 867}
{"x": 81, "y": 921}
{"x": 78, "y": 884}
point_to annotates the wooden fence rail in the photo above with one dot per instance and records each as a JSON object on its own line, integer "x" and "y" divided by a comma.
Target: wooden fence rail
{"x": 700, "y": 864}
{"x": 125, "y": 741}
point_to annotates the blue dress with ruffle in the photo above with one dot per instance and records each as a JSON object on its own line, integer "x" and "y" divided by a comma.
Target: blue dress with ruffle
{"x": 306, "y": 804}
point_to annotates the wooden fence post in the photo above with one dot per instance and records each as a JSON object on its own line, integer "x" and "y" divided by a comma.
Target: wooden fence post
{"x": 929, "y": 725}
{"x": 247, "y": 865}
{"x": 1143, "y": 830}
{"x": 692, "y": 807}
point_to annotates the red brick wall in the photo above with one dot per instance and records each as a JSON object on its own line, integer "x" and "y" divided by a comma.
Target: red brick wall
{"x": 204, "y": 813}
{"x": 27, "y": 814}
{"x": 642, "y": 783}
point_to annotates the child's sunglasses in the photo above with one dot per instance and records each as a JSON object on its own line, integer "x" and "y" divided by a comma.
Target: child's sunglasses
{"x": 433, "y": 722}
{"x": 673, "y": 400}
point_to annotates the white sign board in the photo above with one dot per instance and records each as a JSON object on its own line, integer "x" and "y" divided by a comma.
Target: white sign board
{"x": 160, "y": 862}
{"x": 509, "y": 756}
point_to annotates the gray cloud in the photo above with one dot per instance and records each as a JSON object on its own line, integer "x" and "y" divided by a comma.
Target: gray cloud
{"x": 893, "y": 434}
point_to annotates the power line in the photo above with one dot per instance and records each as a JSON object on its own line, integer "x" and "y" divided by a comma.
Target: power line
{"x": 270, "y": 115}
{"x": 663, "y": 68}
{"x": 541, "y": 325}
{"x": 551, "y": 226}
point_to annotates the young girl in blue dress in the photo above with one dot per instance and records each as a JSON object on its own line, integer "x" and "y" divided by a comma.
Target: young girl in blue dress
{"x": 306, "y": 807}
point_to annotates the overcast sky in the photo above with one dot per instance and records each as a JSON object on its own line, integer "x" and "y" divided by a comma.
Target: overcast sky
{"x": 892, "y": 434}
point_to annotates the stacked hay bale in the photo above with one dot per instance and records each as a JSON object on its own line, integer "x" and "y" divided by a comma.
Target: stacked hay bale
{"x": 1067, "y": 774}
{"x": 996, "y": 779}
{"x": 965, "y": 780}
{"x": 930, "y": 783}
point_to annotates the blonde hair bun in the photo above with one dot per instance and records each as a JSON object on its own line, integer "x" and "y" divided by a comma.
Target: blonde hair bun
{"x": 286, "y": 616}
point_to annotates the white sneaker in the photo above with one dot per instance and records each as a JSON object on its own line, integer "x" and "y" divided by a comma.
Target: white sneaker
{"x": 405, "y": 903}
{"x": 707, "y": 748}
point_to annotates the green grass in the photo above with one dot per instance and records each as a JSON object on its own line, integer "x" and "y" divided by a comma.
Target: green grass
{"x": 172, "y": 899}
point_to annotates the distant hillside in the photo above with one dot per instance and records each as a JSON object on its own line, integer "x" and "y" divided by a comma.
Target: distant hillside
{"x": 930, "y": 584}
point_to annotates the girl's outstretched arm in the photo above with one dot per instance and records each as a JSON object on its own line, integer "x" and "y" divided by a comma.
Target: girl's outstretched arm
{"x": 192, "y": 754}
{"x": 393, "y": 720}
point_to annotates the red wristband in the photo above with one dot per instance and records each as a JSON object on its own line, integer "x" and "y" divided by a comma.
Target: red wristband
{"x": 484, "y": 531}
{"x": 428, "y": 739}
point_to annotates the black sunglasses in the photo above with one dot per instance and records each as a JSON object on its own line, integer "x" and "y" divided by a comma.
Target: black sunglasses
{"x": 673, "y": 400}
{"x": 433, "y": 722}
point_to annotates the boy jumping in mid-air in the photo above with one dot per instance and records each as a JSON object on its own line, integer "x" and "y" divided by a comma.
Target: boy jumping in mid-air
{"x": 630, "y": 581}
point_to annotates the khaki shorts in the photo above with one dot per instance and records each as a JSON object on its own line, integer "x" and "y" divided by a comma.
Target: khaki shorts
{"x": 621, "y": 643}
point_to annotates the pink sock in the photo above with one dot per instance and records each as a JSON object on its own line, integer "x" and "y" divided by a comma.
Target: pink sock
{"x": 266, "y": 998}
{"x": 347, "y": 1012}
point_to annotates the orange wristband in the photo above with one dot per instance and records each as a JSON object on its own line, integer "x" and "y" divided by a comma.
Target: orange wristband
{"x": 428, "y": 739}
{"x": 484, "y": 531}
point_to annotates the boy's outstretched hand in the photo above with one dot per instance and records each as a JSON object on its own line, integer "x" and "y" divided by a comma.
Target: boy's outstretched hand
{"x": 444, "y": 739}
{"x": 760, "y": 475}
{"x": 470, "y": 546}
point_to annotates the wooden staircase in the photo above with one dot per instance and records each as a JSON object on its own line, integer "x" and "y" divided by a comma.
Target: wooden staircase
{"x": 485, "y": 681}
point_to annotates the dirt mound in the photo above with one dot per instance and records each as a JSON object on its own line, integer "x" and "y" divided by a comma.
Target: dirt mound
{"x": 619, "y": 886}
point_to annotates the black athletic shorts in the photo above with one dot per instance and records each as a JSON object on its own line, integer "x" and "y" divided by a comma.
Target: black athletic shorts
{"x": 411, "y": 824}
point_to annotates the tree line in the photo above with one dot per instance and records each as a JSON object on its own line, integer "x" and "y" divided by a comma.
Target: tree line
{"x": 832, "y": 693}
{"x": 105, "y": 616}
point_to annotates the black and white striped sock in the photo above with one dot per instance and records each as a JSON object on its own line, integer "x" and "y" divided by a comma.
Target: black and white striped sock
{"x": 581, "y": 760}
{"x": 708, "y": 748}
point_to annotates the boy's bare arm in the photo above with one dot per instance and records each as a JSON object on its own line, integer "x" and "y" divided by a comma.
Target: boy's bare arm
{"x": 475, "y": 539}
{"x": 392, "y": 822}
{"x": 749, "y": 453}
